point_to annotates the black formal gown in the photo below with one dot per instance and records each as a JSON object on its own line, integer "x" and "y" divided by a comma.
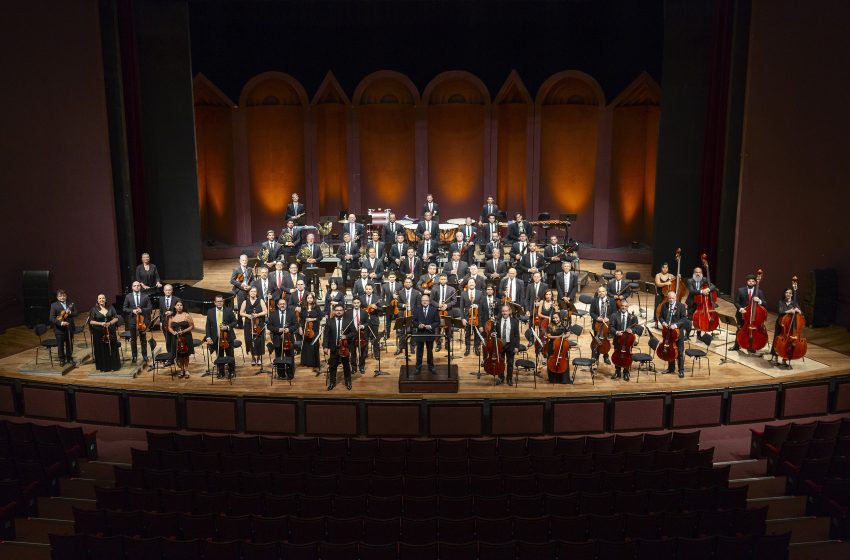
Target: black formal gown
{"x": 187, "y": 339}
{"x": 106, "y": 354}
{"x": 331, "y": 299}
{"x": 310, "y": 351}
{"x": 256, "y": 307}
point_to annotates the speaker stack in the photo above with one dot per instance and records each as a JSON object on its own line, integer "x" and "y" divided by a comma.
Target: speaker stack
{"x": 37, "y": 290}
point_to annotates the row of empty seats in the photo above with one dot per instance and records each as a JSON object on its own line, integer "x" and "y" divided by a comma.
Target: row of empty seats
{"x": 774, "y": 435}
{"x": 88, "y": 547}
{"x": 423, "y": 447}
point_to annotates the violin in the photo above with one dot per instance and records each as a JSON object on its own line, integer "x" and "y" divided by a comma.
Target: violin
{"x": 223, "y": 339}
{"x": 240, "y": 278}
{"x": 361, "y": 338}
{"x": 371, "y": 308}
{"x": 428, "y": 284}
{"x": 678, "y": 285}
{"x": 255, "y": 326}
{"x": 559, "y": 355}
{"x": 141, "y": 326}
{"x": 309, "y": 331}
{"x": 705, "y": 317}
{"x": 494, "y": 351}
{"x": 622, "y": 356}
{"x": 182, "y": 346}
{"x": 344, "y": 352}
{"x": 752, "y": 335}
{"x": 286, "y": 343}
{"x": 790, "y": 343}
{"x": 473, "y": 316}
{"x": 107, "y": 335}
{"x": 65, "y": 314}
{"x": 394, "y": 306}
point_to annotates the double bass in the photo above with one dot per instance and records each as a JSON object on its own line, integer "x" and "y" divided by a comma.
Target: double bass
{"x": 668, "y": 349}
{"x": 752, "y": 335}
{"x": 494, "y": 351}
{"x": 790, "y": 343}
{"x": 677, "y": 284}
{"x": 705, "y": 317}
{"x": 622, "y": 356}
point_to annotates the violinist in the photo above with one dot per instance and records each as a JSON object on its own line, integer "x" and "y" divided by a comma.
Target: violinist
{"x": 62, "y": 313}
{"x": 464, "y": 242}
{"x": 296, "y": 298}
{"x": 240, "y": 280}
{"x": 311, "y": 317}
{"x": 389, "y": 293}
{"x": 472, "y": 274}
{"x": 270, "y": 248}
{"x": 166, "y": 311}
{"x": 427, "y": 248}
{"x": 622, "y": 322}
{"x": 147, "y": 273}
{"x": 534, "y": 291}
{"x": 358, "y": 318}
{"x": 744, "y": 297}
{"x": 335, "y": 346}
{"x": 397, "y": 252}
{"x": 787, "y": 306}
{"x": 601, "y": 309}
{"x": 445, "y": 299}
{"x": 619, "y": 286}
{"x": 507, "y": 329}
{"x": 566, "y": 282}
{"x": 281, "y": 325}
{"x": 105, "y": 344}
{"x": 426, "y": 321}
{"x": 556, "y": 329}
{"x": 408, "y": 298}
{"x": 674, "y": 315}
{"x": 698, "y": 284}
{"x": 411, "y": 265}
{"x": 136, "y": 303}
{"x": 359, "y": 287}
{"x": 180, "y": 327}
{"x": 254, "y": 310}
{"x": 348, "y": 254}
{"x": 494, "y": 267}
{"x": 374, "y": 265}
{"x": 428, "y": 280}
{"x": 334, "y": 294}
{"x": 371, "y": 303}
{"x": 470, "y": 303}
{"x": 512, "y": 289}
{"x": 455, "y": 269}
{"x": 220, "y": 319}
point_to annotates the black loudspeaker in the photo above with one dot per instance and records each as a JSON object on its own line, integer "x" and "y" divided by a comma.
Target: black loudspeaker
{"x": 821, "y": 301}
{"x": 37, "y": 290}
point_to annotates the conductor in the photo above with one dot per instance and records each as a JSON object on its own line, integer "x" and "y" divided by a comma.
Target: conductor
{"x": 426, "y": 319}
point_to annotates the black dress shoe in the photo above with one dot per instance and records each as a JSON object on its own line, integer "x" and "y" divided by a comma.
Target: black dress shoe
{"x": 681, "y": 374}
{"x": 670, "y": 370}
{"x": 625, "y": 376}
{"x": 348, "y": 384}
{"x": 607, "y": 360}
{"x": 432, "y": 370}
{"x": 331, "y": 385}
{"x": 735, "y": 347}
{"x": 466, "y": 352}
{"x": 74, "y": 363}
{"x": 62, "y": 363}
{"x": 397, "y": 352}
{"x": 499, "y": 381}
{"x": 511, "y": 382}
{"x": 616, "y": 375}
{"x": 134, "y": 360}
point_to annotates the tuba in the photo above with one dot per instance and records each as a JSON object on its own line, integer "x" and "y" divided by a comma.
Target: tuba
{"x": 304, "y": 253}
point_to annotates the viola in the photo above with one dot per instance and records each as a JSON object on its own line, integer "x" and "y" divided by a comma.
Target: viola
{"x": 752, "y": 335}
{"x": 473, "y": 316}
{"x": 344, "y": 352}
{"x": 790, "y": 343}
{"x": 286, "y": 343}
{"x": 182, "y": 346}
{"x": 494, "y": 351}
{"x": 677, "y": 284}
{"x": 255, "y": 326}
{"x": 223, "y": 340}
{"x": 705, "y": 317}
{"x": 559, "y": 355}
{"x": 309, "y": 331}
{"x": 394, "y": 306}
{"x": 141, "y": 326}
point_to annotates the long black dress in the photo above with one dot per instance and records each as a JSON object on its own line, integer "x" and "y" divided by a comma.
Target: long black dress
{"x": 310, "y": 351}
{"x": 255, "y": 308}
{"x": 331, "y": 299}
{"x": 106, "y": 354}
{"x": 188, "y": 347}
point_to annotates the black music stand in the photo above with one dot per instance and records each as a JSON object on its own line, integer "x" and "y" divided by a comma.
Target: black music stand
{"x": 377, "y": 347}
{"x": 728, "y": 320}
{"x": 402, "y": 325}
{"x": 454, "y": 323}
{"x": 311, "y": 276}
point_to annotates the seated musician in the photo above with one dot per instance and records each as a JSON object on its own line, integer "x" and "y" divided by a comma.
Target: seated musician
{"x": 507, "y": 330}
{"x": 455, "y": 269}
{"x": 429, "y": 224}
{"x": 674, "y": 315}
{"x": 744, "y": 297}
{"x": 443, "y": 296}
{"x": 530, "y": 263}
{"x": 600, "y": 311}
{"x": 271, "y": 249}
{"x": 622, "y": 322}
{"x": 494, "y": 267}
{"x": 147, "y": 273}
{"x": 787, "y": 306}
{"x": 294, "y": 210}
{"x": 427, "y": 249}
{"x": 519, "y": 248}
{"x": 289, "y": 240}
{"x": 348, "y": 254}
{"x": 411, "y": 265}
{"x": 517, "y": 228}
{"x": 619, "y": 286}
{"x": 698, "y": 284}
{"x": 490, "y": 208}
{"x": 428, "y": 280}
{"x": 430, "y": 207}
{"x": 374, "y": 266}
{"x": 221, "y": 319}
{"x": 471, "y": 299}
{"x": 397, "y": 252}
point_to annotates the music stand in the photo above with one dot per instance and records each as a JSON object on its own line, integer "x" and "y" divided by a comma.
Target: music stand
{"x": 311, "y": 275}
{"x": 455, "y": 323}
{"x": 402, "y": 324}
{"x": 728, "y": 320}
{"x": 377, "y": 348}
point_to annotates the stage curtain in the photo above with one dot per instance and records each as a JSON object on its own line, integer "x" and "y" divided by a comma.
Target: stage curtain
{"x": 387, "y": 157}
{"x": 275, "y": 163}
{"x": 214, "y": 130}
{"x": 568, "y": 136}
{"x": 456, "y": 158}
{"x": 512, "y": 157}
{"x": 331, "y": 158}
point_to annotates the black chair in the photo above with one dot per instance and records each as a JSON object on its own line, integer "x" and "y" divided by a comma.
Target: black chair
{"x": 163, "y": 359}
{"x": 524, "y": 367}
{"x": 646, "y": 361}
{"x": 610, "y": 267}
{"x": 50, "y": 343}
{"x": 587, "y": 300}
{"x": 697, "y": 355}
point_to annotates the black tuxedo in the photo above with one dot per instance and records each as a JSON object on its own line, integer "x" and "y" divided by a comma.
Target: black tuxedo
{"x": 596, "y": 308}
{"x": 275, "y": 250}
{"x": 462, "y": 268}
{"x": 358, "y": 231}
{"x": 289, "y": 284}
{"x": 433, "y": 247}
{"x": 518, "y": 251}
{"x": 167, "y": 303}
{"x": 275, "y": 322}
{"x": 466, "y": 302}
{"x": 488, "y": 209}
{"x": 553, "y": 267}
{"x": 403, "y": 302}
{"x": 228, "y": 318}
{"x": 435, "y": 230}
{"x": 387, "y": 291}
{"x": 428, "y": 317}
{"x": 315, "y": 253}
{"x": 499, "y": 267}
{"x": 368, "y": 332}
{"x": 514, "y": 230}
{"x": 295, "y": 232}
{"x": 396, "y": 253}
{"x": 293, "y": 209}
{"x": 467, "y": 255}
{"x": 424, "y": 278}
{"x": 407, "y": 265}
{"x": 335, "y": 331}
{"x": 359, "y": 287}
{"x": 519, "y": 295}
{"x": 620, "y": 324}
{"x": 490, "y": 231}
{"x": 237, "y": 290}
{"x": 742, "y": 299}
{"x": 511, "y": 342}
{"x": 296, "y": 300}
{"x": 533, "y": 294}
{"x": 678, "y": 317}
{"x": 525, "y": 264}
{"x": 64, "y": 335}
{"x": 488, "y": 251}
{"x": 380, "y": 250}
{"x": 623, "y": 290}
{"x": 377, "y": 267}
{"x": 479, "y": 281}
{"x": 390, "y": 231}
{"x": 129, "y": 306}
{"x": 350, "y": 249}
{"x": 564, "y": 290}
{"x": 434, "y": 209}
{"x": 264, "y": 294}
{"x": 278, "y": 291}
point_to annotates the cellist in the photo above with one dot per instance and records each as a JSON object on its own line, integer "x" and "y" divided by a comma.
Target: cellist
{"x": 600, "y": 311}
{"x": 697, "y": 284}
{"x": 743, "y": 298}
{"x": 674, "y": 315}
{"x": 556, "y": 329}
{"x": 787, "y": 306}
{"x": 622, "y": 322}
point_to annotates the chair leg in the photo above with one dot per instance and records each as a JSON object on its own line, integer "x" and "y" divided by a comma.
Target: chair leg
{"x": 37, "y": 348}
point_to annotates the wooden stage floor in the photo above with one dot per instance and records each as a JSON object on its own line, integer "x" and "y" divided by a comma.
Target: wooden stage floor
{"x": 741, "y": 370}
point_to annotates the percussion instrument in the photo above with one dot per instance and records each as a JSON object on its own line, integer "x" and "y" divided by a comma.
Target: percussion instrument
{"x": 447, "y": 232}
{"x": 410, "y": 232}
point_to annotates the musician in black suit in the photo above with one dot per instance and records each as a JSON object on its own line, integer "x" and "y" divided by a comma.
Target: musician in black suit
{"x": 271, "y": 248}
{"x": 744, "y": 297}
{"x": 470, "y": 235}
{"x": 429, "y": 224}
{"x": 358, "y": 319}
{"x": 455, "y": 269}
{"x": 472, "y": 274}
{"x": 408, "y": 298}
{"x": 566, "y": 282}
{"x": 379, "y": 246}
{"x": 240, "y": 287}
{"x": 495, "y": 245}
{"x": 290, "y": 280}
{"x": 298, "y": 298}
{"x": 313, "y": 256}
{"x": 265, "y": 290}
{"x": 348, "y": 255}
{"x": 512, "y": 287}
{"x": 411, "y": 265}
{"x": 622, "y": 322}
{"x": 372, "y": 303}
{"x": 428, "y": 249}
{"x": 166, "y": 311}
{"x": 397, "y": 251}
{"x": 221, "y": 318}
{"x": 490, "y": 207}
{"x": 490, "y": 229}
{"x": 374, "y": 266}
{"x": 147, "y": 273}
{"x": 554, "y": 254}
{"x": 787, "y": 306}
{"x": 619, "y": 286}
{"x": 675, "y": 315}
{"x": 506, "y": 329}
{"x": 277, "y": 279}
{"x": 519, "y": 248}
{"x": 426, "y": 321}
{"x": 136, "y": 303}
{"x": 601, "y": 309}
{"x": 359, "y": 286}
{"x": 294, "y": 209}
{"x": 495, "y": 267}
{"x": 428, "y": 280}
{"x": 518, "y": 227}
{"x": 430, "y": 206}
{"x": 534, "y": 291}
{"x": 336, "y": 330}
{"x": 391, "y": 229}
{"x": 282, "y": 325}
{"x": 354, "y": 229}
{"x": 63, "y": 330}
{"x": 470, "y": 298}
{"x": 530, "y": 263}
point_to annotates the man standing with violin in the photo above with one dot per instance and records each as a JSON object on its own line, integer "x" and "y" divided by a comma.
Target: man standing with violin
{"x": 507, "y": 330}
{"x": 674, "y": 315}
{"x": 335, "y": 345}
{"x": 619, "y": 286}
{"x": 61, "y": 317}
{"x": 743, "y": 299}
{"x": 138, "y": 306}
{"x": 282, "y": 325}
{"x": 471, "y": 307}
{"x": 426, "y": 318}
{"x": 444, "y": 297}
{"x": 622, "y": 323}
{"x": 241, "y": 279}
{"x": 221, "y": 319}
{"x": 371, "y": 303}
{"x": 358, "y": 318}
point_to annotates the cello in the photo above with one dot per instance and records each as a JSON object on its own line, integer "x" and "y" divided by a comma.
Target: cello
{"x": 790, "y": 343}
{"x": 559, "y": 356}
{"x": 678, "y": 285}
{"x": 668, "y": 349}
{"x": 622, "y": 356}
{"x": 752, "y": 335}
{"x": 705, "y": 317}
{"x": 494, "y": 351}
{"x": 600, "y": 343}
